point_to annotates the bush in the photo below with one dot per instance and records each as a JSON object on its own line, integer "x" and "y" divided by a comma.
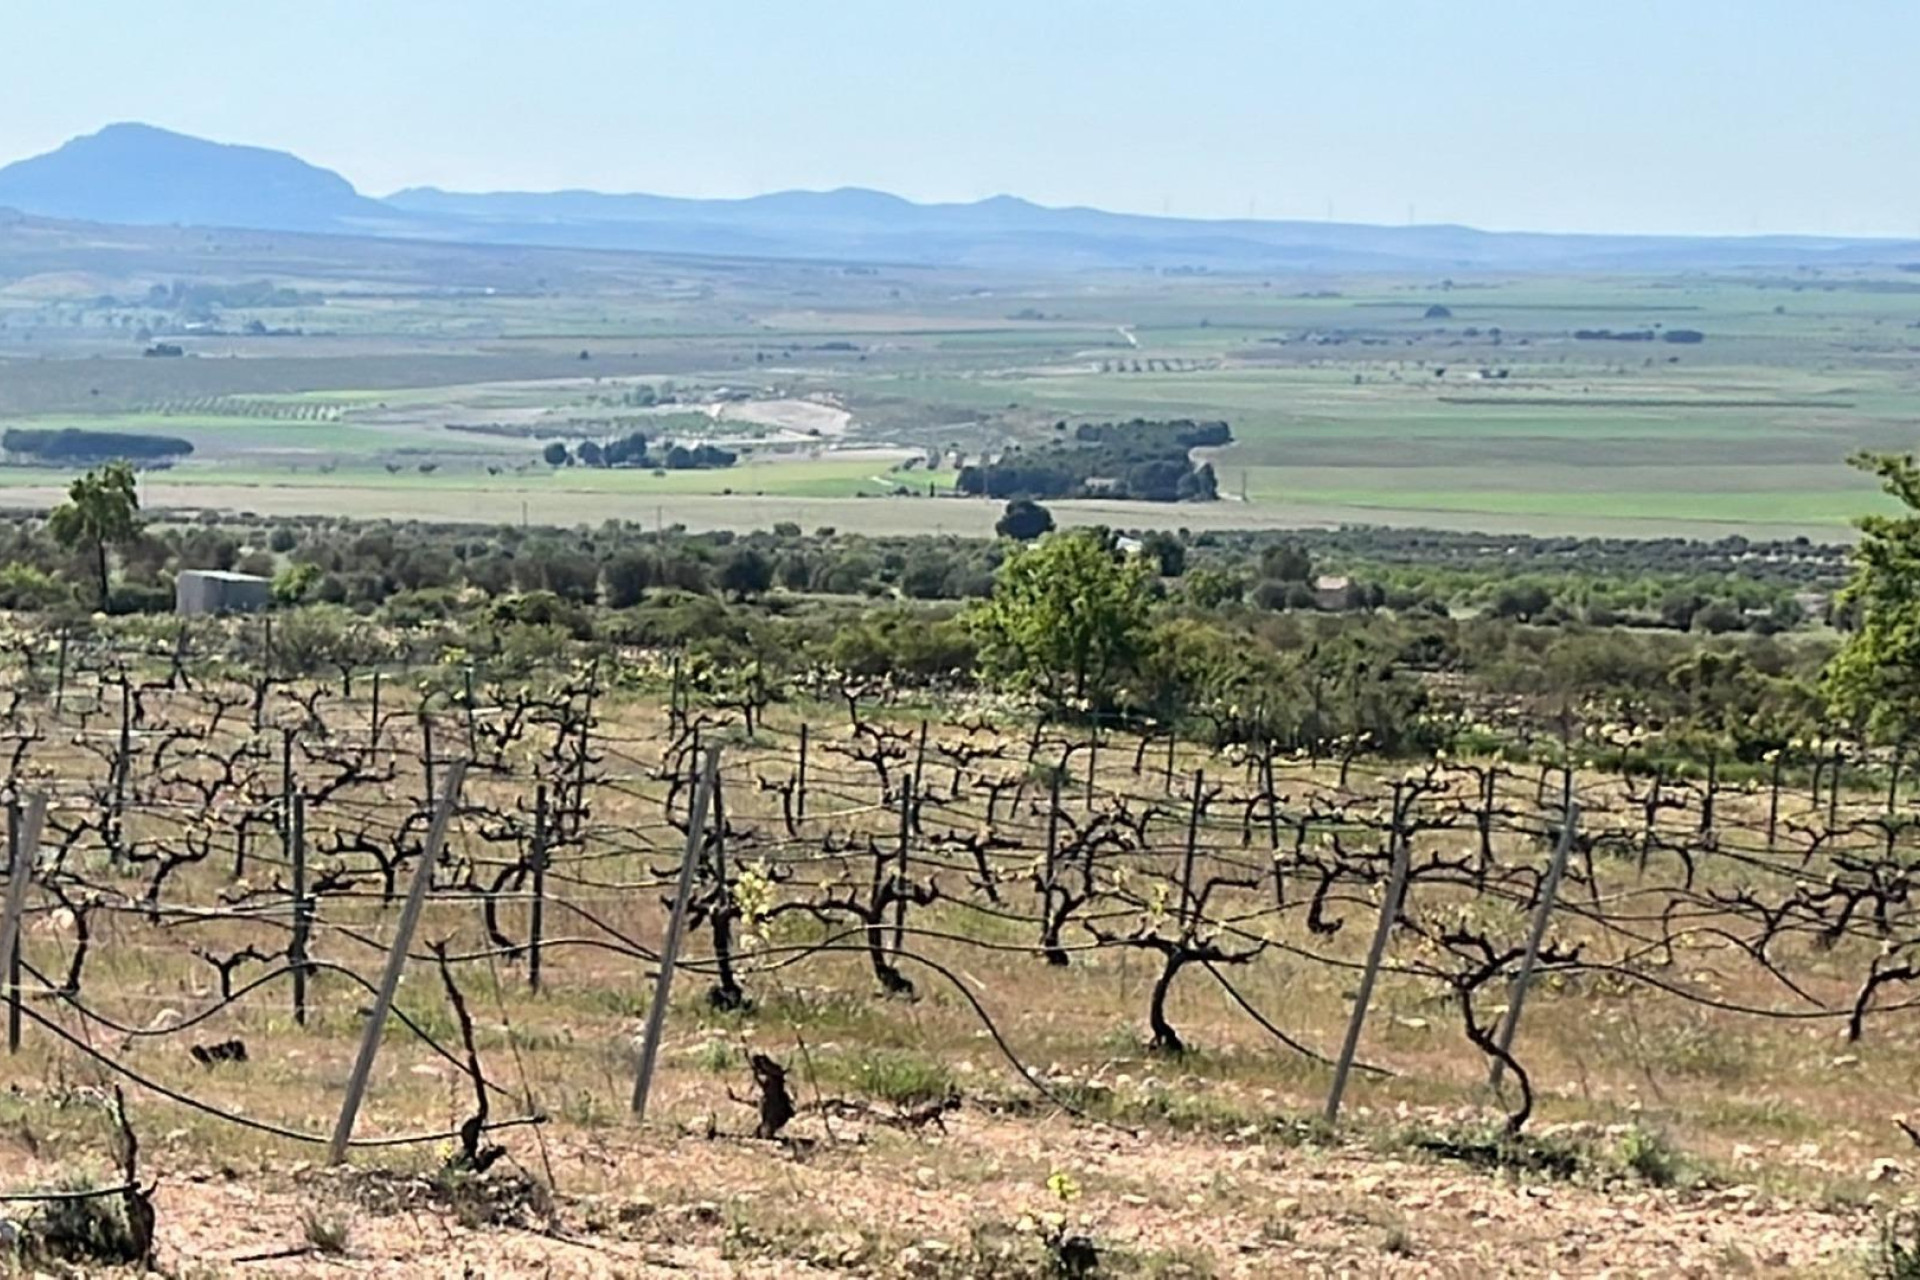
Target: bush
{"x": 1651, "y": 1158}
{"x": 904, "y": 641}
{"x": 1283, "y": 595}
{"x": 140, "y": 597}
{"x": 626, "y": 578}
{"x": 746, "y": 573}
{"x": 412, "y": 608}
{"x": 90, "y": 1229}
{"x": 22, "y": 586}
{"x": 670, "y": 619}
{"x": 905, "y": 1080}
{"x": 1718, "y": 618}
{"x": 1521, "y": 601}
{"x": 542, "y": 609}
{"x": 926, "y": 577}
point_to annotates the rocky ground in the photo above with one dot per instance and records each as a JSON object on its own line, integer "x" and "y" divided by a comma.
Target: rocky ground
{"x": 984, "y": 1197}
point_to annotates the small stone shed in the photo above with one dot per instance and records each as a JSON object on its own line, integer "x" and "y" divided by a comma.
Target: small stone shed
{"x": 214, "y": 591}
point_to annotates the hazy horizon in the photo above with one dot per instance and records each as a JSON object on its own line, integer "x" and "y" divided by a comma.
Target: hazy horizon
{"x": 1727, "y": 118}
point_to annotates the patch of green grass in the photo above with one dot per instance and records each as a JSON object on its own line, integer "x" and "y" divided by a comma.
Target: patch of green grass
{"x": 1699, "y": 1052}
{"x": 1742, "y": 1116}
{"x": 903, "y": 1079}
{"x": 1583, "y": 1155}
{"x": 1649, "y": 1156}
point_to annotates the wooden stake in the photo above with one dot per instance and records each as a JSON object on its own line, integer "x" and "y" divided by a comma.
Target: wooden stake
{"x": 60, "y": 675}
{"x": 1053, "y": 825}
{"x": 23, "y": 847}
{"x": 1273, "y": 799}
{"x": 1833, "y": 796}
{"x": 676, "y": 926}
{"x": 537, "y": 923}
{"x": 122, "y": 765}
{"x": 11, "y": 981}
{"x": 396, "y": 962}
{"x": 1187, "y": 904}
{"x": 800, "y": 779}
{"x": 1093, "y": 761}
{"x": 1536, "y": 933}
{"x": 919, "y": 764}
{"x": 901, "y": 871}
{"x": 473, "y": 747}
{"x": 426, "y": 753}
{"x": 1389, "y": 913}
{"x": 302, "y": 909}
{"x": 1773, "y": 799}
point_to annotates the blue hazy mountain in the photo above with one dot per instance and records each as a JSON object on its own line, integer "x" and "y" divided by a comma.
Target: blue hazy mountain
{"x": 138, "y": 174}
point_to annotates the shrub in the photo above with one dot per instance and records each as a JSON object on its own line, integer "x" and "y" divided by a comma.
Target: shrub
{"x": 83, "y": 1229}
{"x": 140, "y": 597}
{"x": 1650, "y": 1157}
{"x": 22, "y": 586}
{"x": 904, "y": 1079}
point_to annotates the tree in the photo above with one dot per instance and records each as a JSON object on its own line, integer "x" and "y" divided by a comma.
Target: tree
{"x": 1874, "y": 680}
{"x": 627, "y": 577}
{"x": 1024, "y": 520}
{"x": 1287, "y": 562}
{"x": 1169, "y": 550}
{"x": 746, "y": 573}
{"x": 1679, "y": 606}
{"x": 1717, "y": 617}
{"x": 1523, "y": 601}
{"x": 1066, "y": 620}
{"x": 925, "y": 576}
{"x": 1210, "y": 588}
{"x": 555, "y": 454}
{"x": 102, "y": 510}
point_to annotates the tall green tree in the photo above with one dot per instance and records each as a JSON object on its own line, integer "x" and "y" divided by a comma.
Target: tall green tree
{"x": 1874, "y": 680}
{"x": 1066, "y": 620}
{"x": 102, "y": 510}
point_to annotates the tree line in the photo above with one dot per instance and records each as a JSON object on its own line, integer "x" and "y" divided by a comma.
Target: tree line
{"x": 1141, "y": 460}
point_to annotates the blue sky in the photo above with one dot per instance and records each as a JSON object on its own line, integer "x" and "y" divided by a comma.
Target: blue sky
{"x": 1605, "y": 115}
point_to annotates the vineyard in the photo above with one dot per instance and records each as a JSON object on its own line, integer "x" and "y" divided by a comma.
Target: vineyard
{"x": 278, "y": 410}
{"x": 453, "y": 928}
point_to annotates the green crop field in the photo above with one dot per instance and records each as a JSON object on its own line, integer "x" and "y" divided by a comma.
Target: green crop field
{"x": 1463, "y": 403}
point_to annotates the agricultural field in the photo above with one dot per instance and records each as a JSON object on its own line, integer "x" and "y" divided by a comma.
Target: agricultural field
{"x": 1466, "y": 403}
{"x": 1347, "y": 901}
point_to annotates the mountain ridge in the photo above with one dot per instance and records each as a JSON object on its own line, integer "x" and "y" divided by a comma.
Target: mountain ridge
{"x": 138, "y": 174}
